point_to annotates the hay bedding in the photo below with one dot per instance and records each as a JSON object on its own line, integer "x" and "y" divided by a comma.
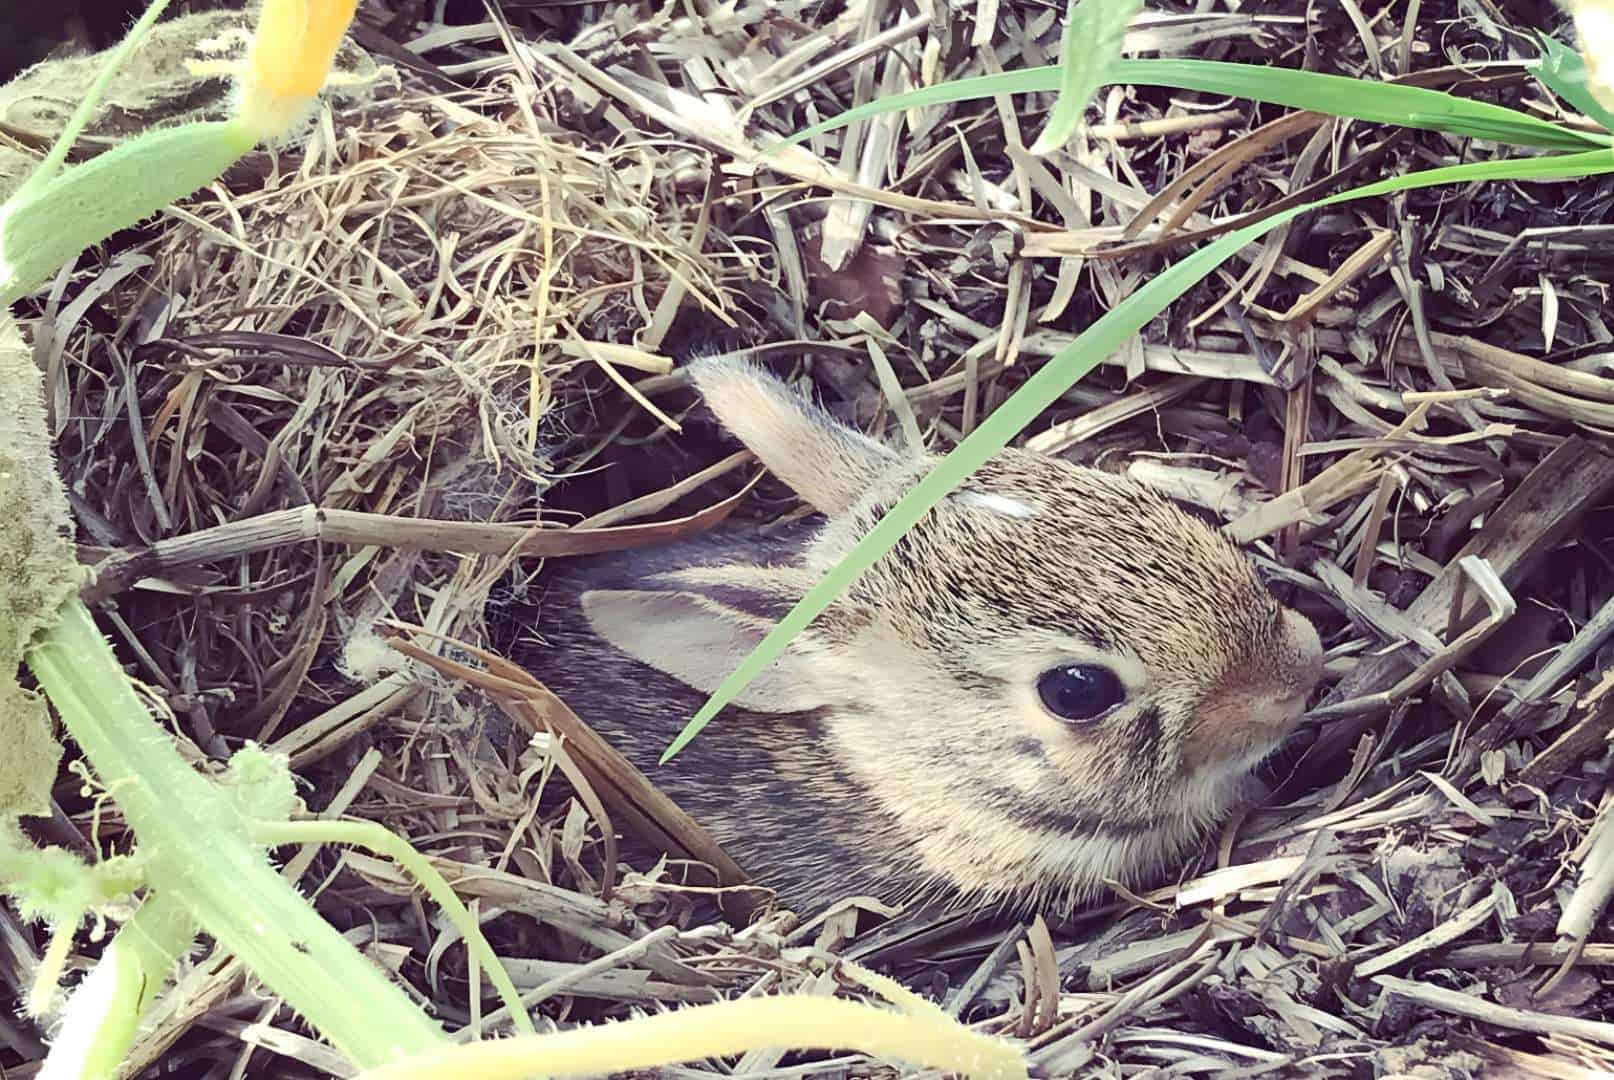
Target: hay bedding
{"x": 353, "y": 326}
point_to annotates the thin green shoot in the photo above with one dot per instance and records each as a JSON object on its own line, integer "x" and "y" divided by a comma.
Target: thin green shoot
{"x": 101, "y": 1018}
{"x": 57, "y": 154}
{"x": 378, "y": 839}
{"x": 807, "y": 1021}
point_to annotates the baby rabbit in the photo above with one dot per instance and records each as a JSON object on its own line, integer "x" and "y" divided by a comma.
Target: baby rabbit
{"x": 1056, "y": 678}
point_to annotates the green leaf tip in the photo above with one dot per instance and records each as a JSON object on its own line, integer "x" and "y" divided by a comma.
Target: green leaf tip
{"x": 54, "y": 884}
{"x": 260, "y": 782}
{"x": 1094, "y": 31}
{"x": 1563, "y": 71}
{"x": 44, "y": 225}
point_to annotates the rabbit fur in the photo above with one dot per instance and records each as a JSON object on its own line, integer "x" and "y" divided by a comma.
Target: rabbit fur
{"x": 899, "y": 748}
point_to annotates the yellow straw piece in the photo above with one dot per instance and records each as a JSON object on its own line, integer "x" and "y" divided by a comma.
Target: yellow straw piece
{"x": 728, "y": 1027}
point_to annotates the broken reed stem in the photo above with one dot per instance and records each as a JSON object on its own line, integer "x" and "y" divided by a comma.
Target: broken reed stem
{"x": 1587, "y": 903}
{"x": 1458, "y": 1003}
{"x": 277, "y": 528}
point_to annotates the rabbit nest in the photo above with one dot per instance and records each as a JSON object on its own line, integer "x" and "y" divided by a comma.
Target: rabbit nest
{"x": 462, "y": 300}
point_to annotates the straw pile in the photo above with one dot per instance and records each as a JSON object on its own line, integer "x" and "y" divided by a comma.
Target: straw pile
{"x": 469, "y": 292}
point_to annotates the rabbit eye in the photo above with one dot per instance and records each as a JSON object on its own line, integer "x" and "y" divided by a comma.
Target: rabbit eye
{"x": 1080, "y": 692}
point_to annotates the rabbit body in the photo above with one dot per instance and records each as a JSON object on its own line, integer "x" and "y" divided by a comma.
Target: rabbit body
{"x": 766, "y": 786}
{"x": 1056, "y": 679}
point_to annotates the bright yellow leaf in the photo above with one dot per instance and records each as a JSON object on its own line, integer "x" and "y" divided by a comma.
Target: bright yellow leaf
{"x": 289, "y": 60}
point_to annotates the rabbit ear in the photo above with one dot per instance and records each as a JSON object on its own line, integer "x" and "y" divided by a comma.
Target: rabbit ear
{"x": 699, "y": 642}
{"x": 827, "y": 463}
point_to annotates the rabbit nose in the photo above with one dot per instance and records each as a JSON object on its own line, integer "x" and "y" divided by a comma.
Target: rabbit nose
{"x": 1305, "y": 653}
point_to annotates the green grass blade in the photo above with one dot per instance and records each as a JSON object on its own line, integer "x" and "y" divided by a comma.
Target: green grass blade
{"x": 1563, "y": 71}
{"x": 1094, "y": 30}
{"x": 1093, "y": 345}
{"x": 1335, "y": 95}
{"x": 1361, "y": 99}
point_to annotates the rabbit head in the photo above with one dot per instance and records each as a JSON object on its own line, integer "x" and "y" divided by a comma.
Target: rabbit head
{"x": 1055, "y": 679}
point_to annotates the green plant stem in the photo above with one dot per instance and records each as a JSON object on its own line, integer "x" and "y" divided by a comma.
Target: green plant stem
{"x": 378, "y": 839}
{"x": 722, "y": 1028}
{"x": 198, "y": 852}
{"x": 102, "y": 1016}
